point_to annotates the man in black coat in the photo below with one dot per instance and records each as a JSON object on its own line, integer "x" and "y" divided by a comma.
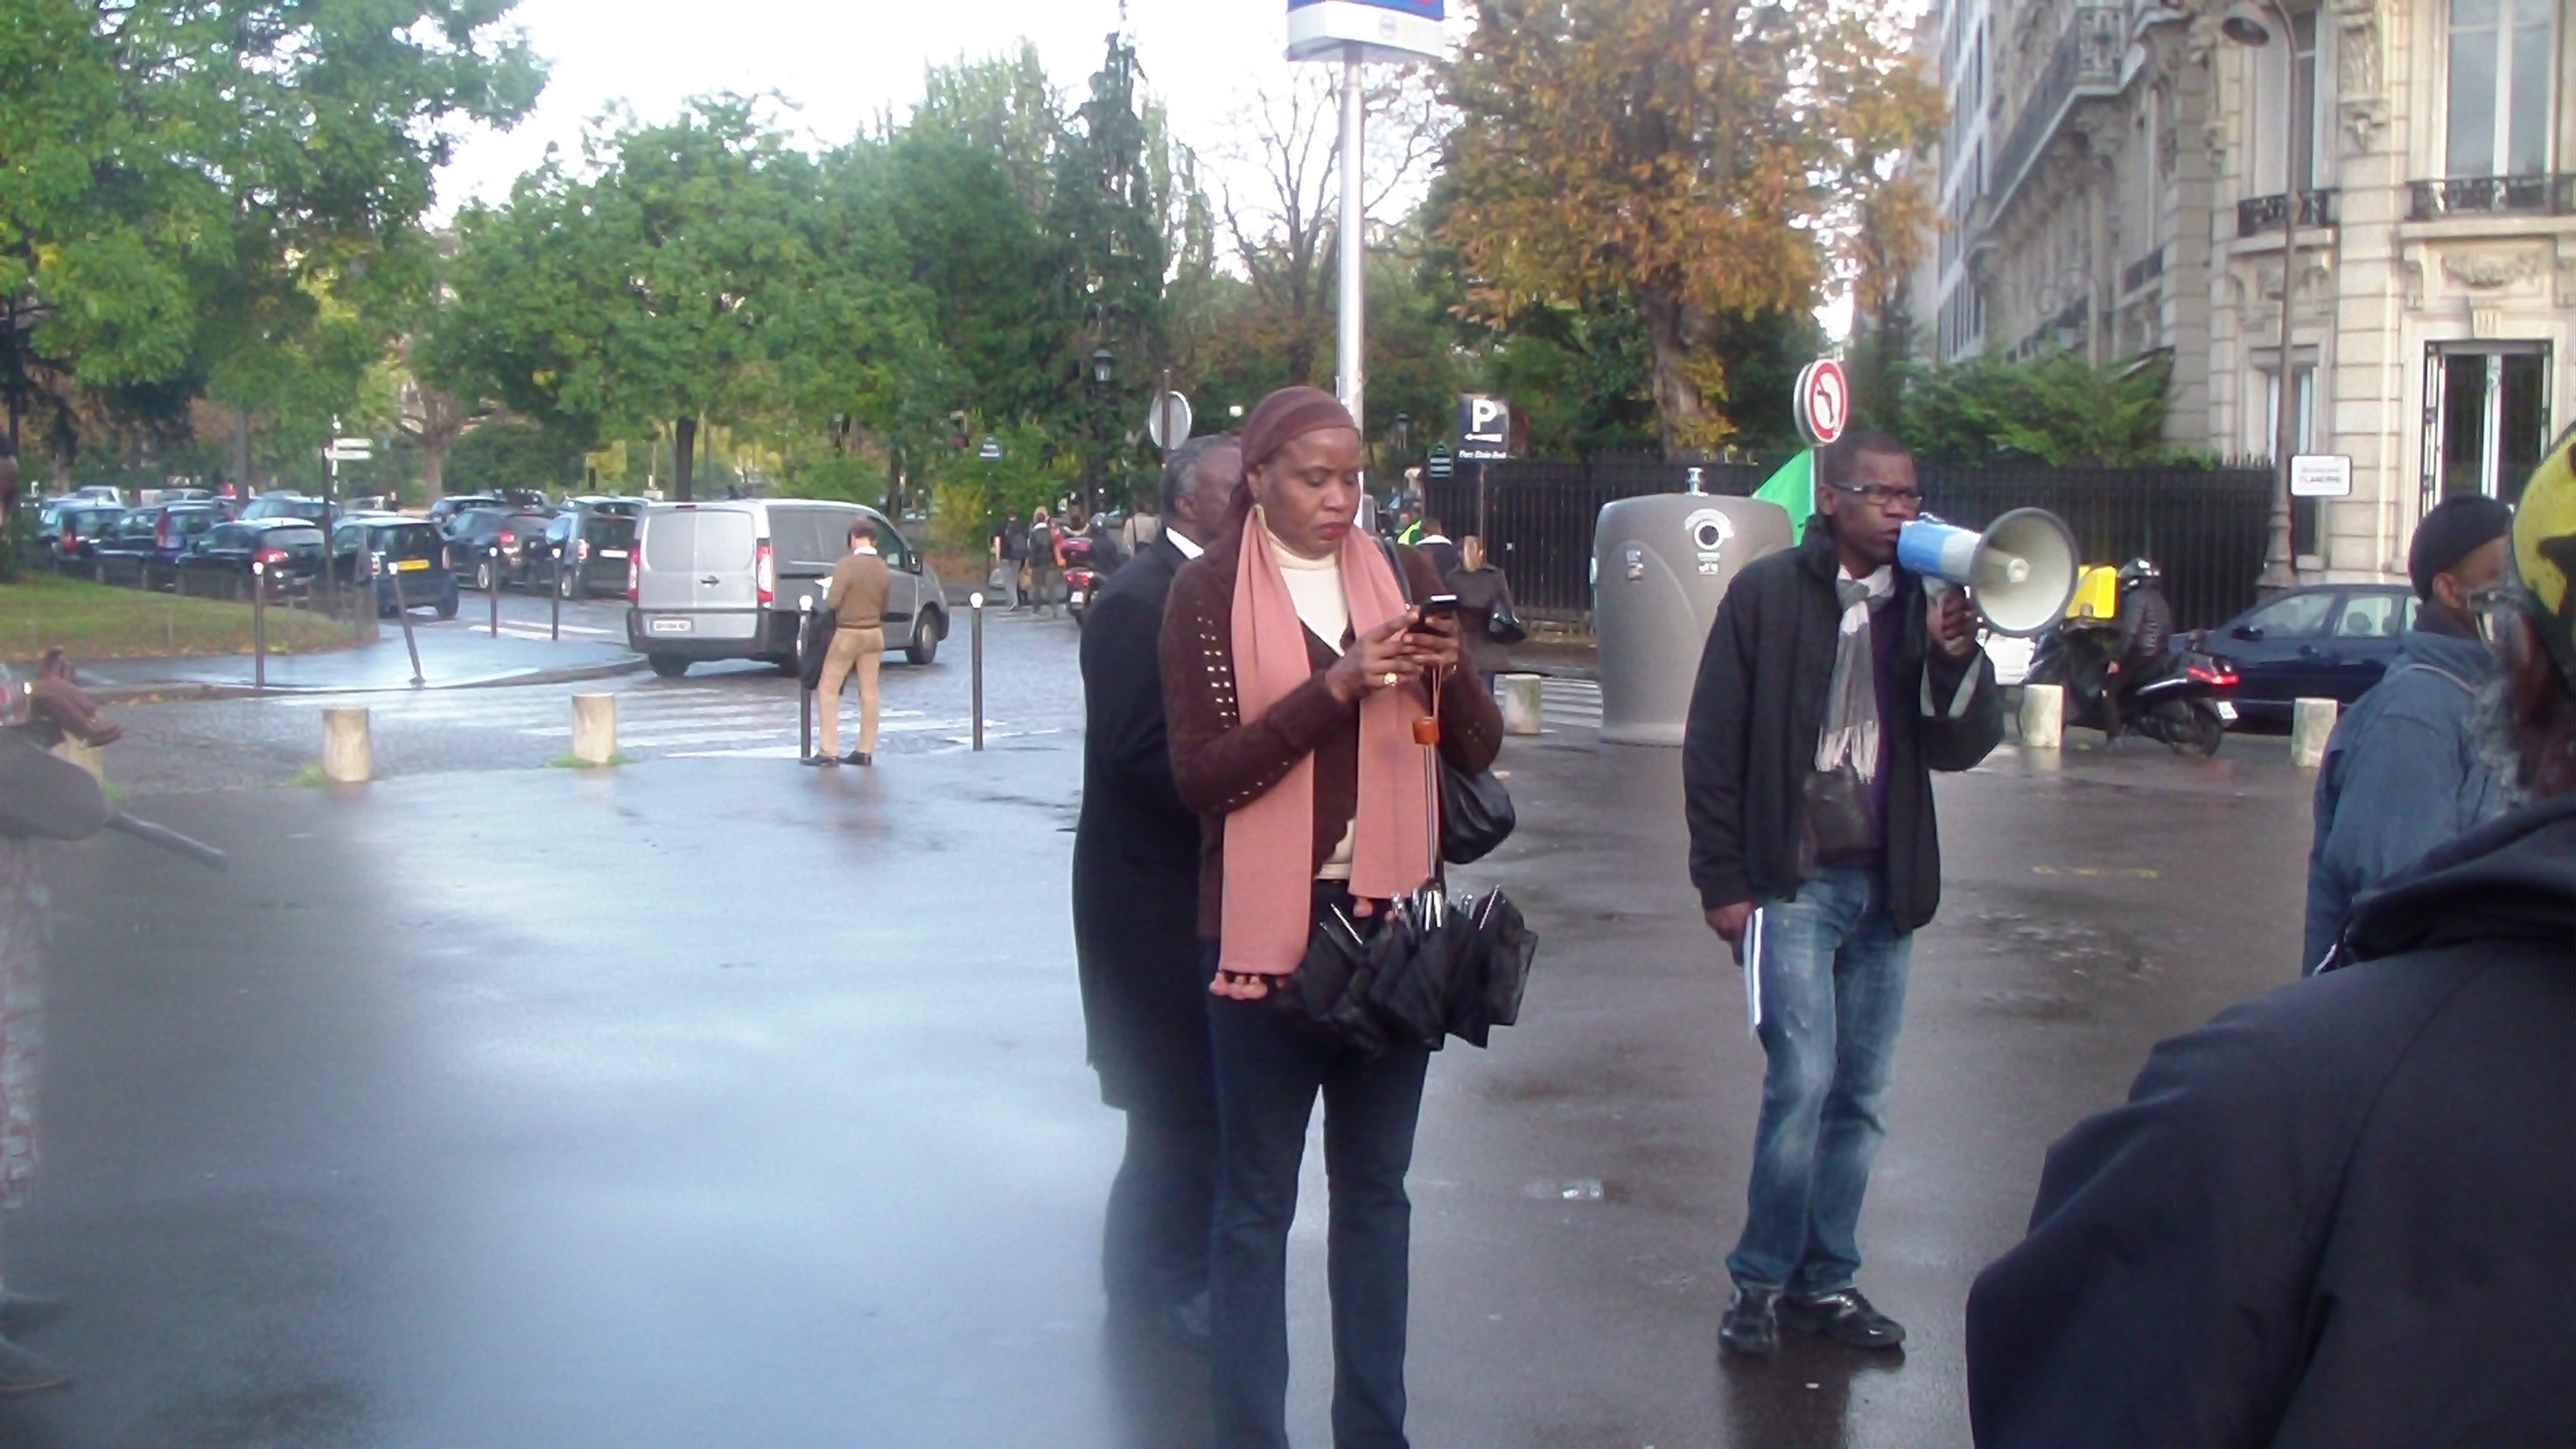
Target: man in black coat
{"x": 1135, "y": 917}
{"x": 2345, "y": 1212}
{"x": 1830, "y": 688}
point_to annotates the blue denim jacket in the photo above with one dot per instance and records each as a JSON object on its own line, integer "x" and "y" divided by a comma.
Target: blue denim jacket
{"x": 2401, "y": 775}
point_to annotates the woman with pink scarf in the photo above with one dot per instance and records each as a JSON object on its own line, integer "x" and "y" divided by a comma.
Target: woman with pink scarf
{"x": 1293, "y": 674}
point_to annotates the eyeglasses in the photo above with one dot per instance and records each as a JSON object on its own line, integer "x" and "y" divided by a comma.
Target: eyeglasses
{"x": 2494, "y": 610}
{"x": 1887, "y": 497}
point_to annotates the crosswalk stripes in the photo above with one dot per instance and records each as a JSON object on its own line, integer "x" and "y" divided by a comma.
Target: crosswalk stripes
{"x": 683, "y": 721}
{"x": 1570, "y": 703}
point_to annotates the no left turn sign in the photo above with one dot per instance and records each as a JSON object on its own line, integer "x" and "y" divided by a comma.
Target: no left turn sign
{"x": 1823, "y": 401}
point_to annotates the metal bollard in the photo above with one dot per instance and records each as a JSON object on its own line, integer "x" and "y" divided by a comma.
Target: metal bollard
{"x": 975, "y": 651}
{"x": 554, "y": 601}
{"x": 2043, "y": 716}
{"x": 402, "y": 611}
{"x": 2312, "y": 723}
{"x": 594, "y": 728}
{"x": 804, "y": 696}
{"x": 496, "y": 591}
{"x": 348, "y": 752}
{"x": 259, "y": 627}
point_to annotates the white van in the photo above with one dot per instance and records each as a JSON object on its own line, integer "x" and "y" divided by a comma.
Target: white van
{"x": 723, "y": 580}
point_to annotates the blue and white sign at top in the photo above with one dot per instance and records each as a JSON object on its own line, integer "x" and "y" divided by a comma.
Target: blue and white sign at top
{"x": 1384, "y": 30}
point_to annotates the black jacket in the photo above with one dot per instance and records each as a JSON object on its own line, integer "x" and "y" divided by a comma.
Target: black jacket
{"x": 2343, "y": 1213}
{"x": 1759, "y": 709}
{"x": 1136, "y": 863}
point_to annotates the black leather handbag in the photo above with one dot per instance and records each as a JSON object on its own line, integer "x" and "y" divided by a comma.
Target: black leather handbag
{"x": 1476, "y": 812}
{"x": 813, "y": 641}
{"x": 1503, "y": 624}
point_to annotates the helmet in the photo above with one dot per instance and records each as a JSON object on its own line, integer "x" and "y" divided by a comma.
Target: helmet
{"x": 2139, "y": 571}
{"x": 2544, "y": 551}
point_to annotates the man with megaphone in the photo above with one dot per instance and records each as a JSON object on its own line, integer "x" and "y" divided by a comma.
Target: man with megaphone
{"x": 1832, "y": 684}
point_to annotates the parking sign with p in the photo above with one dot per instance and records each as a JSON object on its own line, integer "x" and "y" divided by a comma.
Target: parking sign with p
{"x": 1484, "y": 427}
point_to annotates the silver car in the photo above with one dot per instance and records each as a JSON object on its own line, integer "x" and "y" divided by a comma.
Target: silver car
{"x": 724, "y": 580}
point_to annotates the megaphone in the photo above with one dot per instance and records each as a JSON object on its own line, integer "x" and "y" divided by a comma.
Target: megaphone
{"x": 2020, "y": 571}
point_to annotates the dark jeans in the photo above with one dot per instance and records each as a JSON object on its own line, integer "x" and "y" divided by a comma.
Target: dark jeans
{"x": 1268, "y": 1075}
{"x": 1154, "y": 1252}
{"x": 1833, "y": 997}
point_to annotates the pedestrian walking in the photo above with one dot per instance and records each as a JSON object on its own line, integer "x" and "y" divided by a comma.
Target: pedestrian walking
{"x": 1046, "y": 570}
{"x": 1010, "y": 556}
{"x": 2338, "y": 1214}
{"x": 1435, "y": 543}
{"x": 1135, "y": 918}
{"x": 1830, "y": 688}
{"x": 2406, "y": 768}
{"x": 1481, "y": 589}
{"x": 1141, "y": 528}
{"x": 1293, "y": 674}
{"x": 857, "y": 598}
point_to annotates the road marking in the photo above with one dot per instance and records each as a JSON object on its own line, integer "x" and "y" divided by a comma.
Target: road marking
{"x": 2098, "y": 872}
{"x": 1570, "y": 703}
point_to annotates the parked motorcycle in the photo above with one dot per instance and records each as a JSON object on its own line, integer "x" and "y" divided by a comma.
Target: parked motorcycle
{"x": 2181, "y": 700}
{"x": 1088, "y": 563}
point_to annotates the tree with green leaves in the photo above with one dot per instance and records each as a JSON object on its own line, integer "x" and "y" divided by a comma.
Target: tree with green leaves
{"x": 1105, "y": 220}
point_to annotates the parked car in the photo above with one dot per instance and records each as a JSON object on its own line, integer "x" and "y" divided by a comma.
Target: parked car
{"x": 403, "y": 560}
{"x": 101, "y": 493}
{"x": 453, "y": 504}
{"x": 2326, "y": 641}
{"x": 290, "y": 548}
{"x": 587, "y": 551}
{"x": 723, "y": 580}
{"x": 290, "y": 505}
{"x": 616, "y": 503}
{"x": 474, "y": 536}
{"x": 72, "y": 525}
{"x": 153, "y": 538}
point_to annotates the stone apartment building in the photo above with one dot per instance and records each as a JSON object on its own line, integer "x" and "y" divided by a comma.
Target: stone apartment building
{"x": 2114, "y": 182}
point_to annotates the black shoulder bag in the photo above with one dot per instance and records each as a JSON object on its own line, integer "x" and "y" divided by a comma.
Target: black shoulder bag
{"x": 1476, "y": 812}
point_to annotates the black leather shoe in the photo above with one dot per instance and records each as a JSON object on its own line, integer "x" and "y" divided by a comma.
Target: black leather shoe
{"x": 820, "y": 761}
{"x": 855, "y": 758}
{"x": 1751, "y": 1326}
{"x": 1845, "y": 1317}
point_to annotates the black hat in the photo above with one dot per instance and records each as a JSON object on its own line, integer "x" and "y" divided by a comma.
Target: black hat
{"x": 2457, "y": 527}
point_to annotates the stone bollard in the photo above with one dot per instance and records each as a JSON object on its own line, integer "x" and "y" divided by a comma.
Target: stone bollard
{"x": 594, "y": 728}
{"x": 2043, "y": 716}
{"x": 1522, "y": 714}
{"x": 2312, "y": 721}
{"x": 348, "y": 753}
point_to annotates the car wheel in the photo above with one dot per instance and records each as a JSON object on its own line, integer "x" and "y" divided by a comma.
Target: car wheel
{"x": 447, "y": 607}
{"x": 483, "y": 579}
{"x": 569, "y": 586}
{"x": 667, "y": 666}
{"x": 924, "y": 648}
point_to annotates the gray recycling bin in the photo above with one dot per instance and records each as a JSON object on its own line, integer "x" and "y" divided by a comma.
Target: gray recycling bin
{"x": 1660, "y": 564}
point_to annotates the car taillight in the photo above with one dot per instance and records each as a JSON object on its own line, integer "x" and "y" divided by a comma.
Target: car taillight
{"x": 635, "y": 577}
{"x": 272, "y": 555}
{"x": 768, "y": 574}
{"x": 508, "y": 539}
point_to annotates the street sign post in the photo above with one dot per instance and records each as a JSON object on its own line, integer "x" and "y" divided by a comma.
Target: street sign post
{"x": 1823, "y": 402}
{"x": 2321, "y": 475}
{"x": 1439, "y": 464}
{"x": 990, "y": 450}
{"x": 350, "y": 450}
{"x": 1484, "y": 427}
{"x": 1168, "y": 424}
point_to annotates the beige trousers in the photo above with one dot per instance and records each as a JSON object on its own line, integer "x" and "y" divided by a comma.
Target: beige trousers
{"x": 854, "y": 651}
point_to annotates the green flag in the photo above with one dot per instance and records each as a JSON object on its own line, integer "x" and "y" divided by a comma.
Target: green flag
{"x": 1793, "y": 488}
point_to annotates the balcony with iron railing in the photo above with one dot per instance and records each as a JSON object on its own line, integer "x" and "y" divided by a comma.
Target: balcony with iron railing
{"x": 2084, "y": 62}
{"x": 2263, "y": 215}
{"x": 2142, "y": 271}
{"x": 2540, "y": 195}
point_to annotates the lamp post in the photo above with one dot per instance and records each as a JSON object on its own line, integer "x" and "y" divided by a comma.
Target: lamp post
{"x": 1102, "y": 363}
{"x": 2255, "y": 25}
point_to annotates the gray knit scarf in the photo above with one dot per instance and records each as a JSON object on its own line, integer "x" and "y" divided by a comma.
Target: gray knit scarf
{"x": 1851, "y": 704}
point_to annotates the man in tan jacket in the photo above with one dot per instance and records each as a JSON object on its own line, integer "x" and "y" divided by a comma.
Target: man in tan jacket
{"x": 857, "y": 599}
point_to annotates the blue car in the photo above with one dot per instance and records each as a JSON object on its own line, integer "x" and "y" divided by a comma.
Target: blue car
{"x": 404, "y": 560}
{"x": 2326, "y": 641}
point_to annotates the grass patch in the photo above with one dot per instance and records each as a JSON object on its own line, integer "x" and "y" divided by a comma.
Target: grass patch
{"x": 576, "y": 762}
{"x": 311, "y": 778}
{"x": 95, "y": 621}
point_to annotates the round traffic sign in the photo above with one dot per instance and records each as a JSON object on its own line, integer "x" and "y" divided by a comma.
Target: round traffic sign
{"x": 1823, "y": 402}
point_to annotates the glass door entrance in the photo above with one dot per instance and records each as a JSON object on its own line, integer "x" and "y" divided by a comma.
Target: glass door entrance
{"x": 2486, "y": 417}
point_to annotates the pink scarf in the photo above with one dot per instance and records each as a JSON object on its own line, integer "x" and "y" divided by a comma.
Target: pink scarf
{"x": 1270, "y": 843}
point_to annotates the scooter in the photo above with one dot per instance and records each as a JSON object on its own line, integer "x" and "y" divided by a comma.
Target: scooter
{"x": 1085, "y": 570}
{"x": 2181, "y": 700}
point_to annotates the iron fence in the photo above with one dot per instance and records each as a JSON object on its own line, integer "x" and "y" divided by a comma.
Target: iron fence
{"x": 2205, "y": 527}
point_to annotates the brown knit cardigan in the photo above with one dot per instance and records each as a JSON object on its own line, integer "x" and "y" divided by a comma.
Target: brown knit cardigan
{"x": 1221, "y": 764}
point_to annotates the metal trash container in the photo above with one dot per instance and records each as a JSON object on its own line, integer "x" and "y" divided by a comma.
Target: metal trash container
{"x": 1660, "y": 564}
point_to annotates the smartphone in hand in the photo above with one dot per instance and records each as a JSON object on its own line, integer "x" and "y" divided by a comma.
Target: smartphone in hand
{"x": 1435, "y": 606}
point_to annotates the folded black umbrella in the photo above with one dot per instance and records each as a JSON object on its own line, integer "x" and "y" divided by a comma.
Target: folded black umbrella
{"x": 1417, "y": 955}
{"x": 1494, "y": 955}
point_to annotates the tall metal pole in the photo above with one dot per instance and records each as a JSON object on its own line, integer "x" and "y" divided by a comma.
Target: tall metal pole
{"x": 2279, "y": 565}
{"x": 1351, "y": 353}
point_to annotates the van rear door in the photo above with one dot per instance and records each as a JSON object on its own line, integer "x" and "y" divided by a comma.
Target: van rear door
{"x": 702, "y": 563}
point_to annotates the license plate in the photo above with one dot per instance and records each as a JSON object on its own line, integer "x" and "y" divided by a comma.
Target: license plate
{"x": 669, "y": 626}
{"x": 1079, "y": 596}
{"x": 612, "y": 553}
{"x": 410, "y": 565}
{"x": 2225, "y": 710}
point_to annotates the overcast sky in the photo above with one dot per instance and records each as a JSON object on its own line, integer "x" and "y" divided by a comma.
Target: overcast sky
{"x": 843, "y": 63}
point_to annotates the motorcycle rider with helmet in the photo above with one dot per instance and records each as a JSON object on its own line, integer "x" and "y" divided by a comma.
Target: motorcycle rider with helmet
{"x": 2145, "y": 623}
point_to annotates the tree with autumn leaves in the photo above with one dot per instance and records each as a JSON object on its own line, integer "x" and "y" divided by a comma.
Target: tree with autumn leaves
{"x": 1706, "y": 162}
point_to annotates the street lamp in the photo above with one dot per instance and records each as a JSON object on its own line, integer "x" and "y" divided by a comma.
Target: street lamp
{"x": 1101, "y": 364}
{"x": 1101, "y": 361}
{"x": 2254, "y": 26}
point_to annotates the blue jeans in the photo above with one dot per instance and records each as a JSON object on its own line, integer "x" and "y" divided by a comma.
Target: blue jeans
{"x": 1268, "y": 1075}
{"x": 1833, "y": 998}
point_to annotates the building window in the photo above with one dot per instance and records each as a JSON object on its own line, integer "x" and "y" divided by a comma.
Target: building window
{"x": 2502, "y": 56}
{"x": 2486, "y": 417}
{"x": 2270, "y": 139}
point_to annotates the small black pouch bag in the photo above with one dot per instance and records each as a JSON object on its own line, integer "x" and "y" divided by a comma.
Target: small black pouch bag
{"x": 1838, "y": 813}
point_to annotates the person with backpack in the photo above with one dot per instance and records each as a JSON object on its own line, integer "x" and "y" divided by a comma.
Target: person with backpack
{"x": 1010, "y": 555}
{"x": 2404, "y": 771}
{"x": 1046, "y": 571}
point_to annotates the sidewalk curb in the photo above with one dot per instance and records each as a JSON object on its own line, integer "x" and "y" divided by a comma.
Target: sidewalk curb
{"x": 179, "y": 691}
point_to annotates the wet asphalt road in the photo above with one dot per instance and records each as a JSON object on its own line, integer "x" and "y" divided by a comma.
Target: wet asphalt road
{"x": 716, "y": 1101}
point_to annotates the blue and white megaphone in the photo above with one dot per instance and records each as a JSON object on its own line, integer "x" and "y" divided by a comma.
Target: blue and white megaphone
{"x": 2020, "y": 572}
